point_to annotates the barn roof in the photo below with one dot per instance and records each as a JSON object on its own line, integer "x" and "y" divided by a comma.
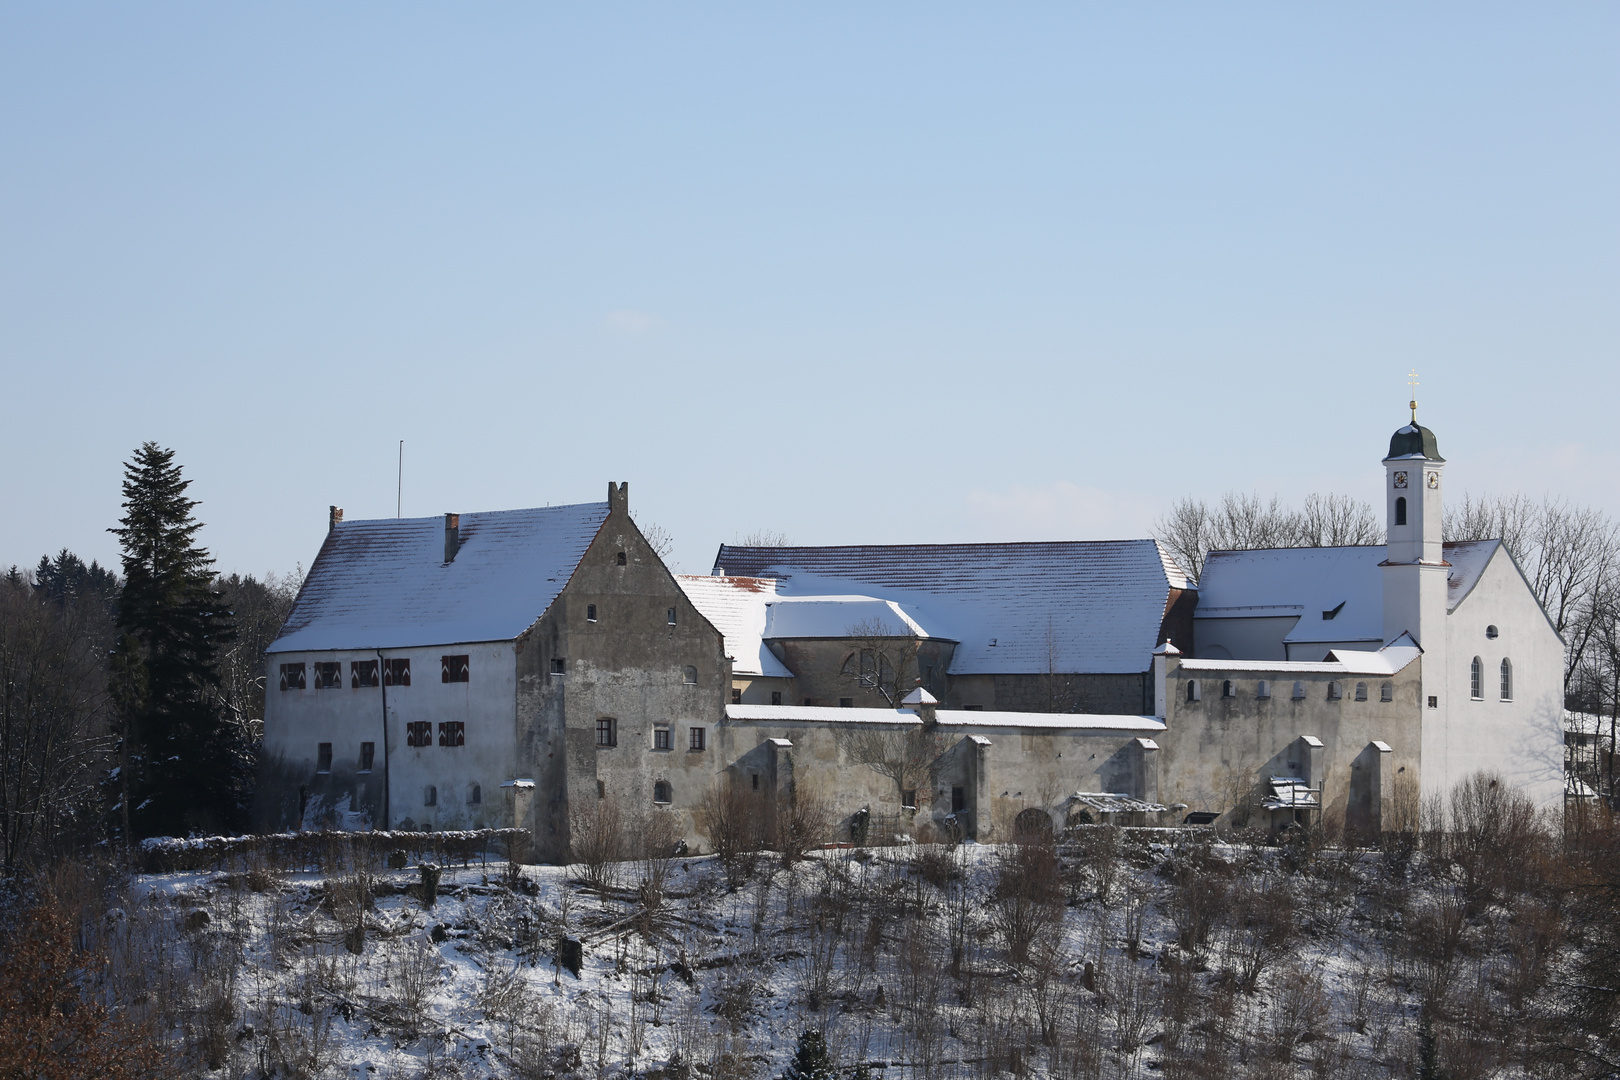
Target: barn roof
{"x": 1081, "y": 606}
{"x": 384, "y": 584}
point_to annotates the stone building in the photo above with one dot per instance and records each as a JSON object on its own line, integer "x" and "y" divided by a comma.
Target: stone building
{"x": 488, "y": 669}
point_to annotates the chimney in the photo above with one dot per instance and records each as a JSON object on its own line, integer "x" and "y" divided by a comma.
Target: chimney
{"x": 334, "y": 517}
{"x": 618, "y": 497}
{"x": 718, "y": 571}
{"x": 923, "y": 704}
{"x": 452, "y": 536}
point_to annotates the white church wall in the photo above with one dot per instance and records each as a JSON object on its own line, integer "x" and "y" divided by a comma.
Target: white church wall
{"x": 1522, "y": 739}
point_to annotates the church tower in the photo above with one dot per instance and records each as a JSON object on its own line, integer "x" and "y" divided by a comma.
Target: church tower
{"x": 1415, "y": 572}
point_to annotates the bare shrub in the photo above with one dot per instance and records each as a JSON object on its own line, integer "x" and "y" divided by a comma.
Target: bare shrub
{"x": 1259, "y": 924}
{"x": 730, "y": 818}
{"x": 598, "y": 841}
{"x": 804, "y": 821}
{"x": 1097, "y": 865}
{"x": 1201, "y": 882}
{"x": 656, "y": 840}
{"x": 1300, "y": 1007}
{"x": 1027, "y": 901}
{"x": 1494, "y": 840}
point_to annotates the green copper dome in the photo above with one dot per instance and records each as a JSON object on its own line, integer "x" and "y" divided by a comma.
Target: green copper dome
{"x": 1414, "y": 440}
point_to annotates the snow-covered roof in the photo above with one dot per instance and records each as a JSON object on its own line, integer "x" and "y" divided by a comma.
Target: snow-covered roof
{"x": 840, "y": 617}
{"x": 736, "y": 607}
{"x": 1290, "y": 793}
{"x": 1311, "y": 582}
{"x": 1083, "y": 606}
{"x": 953, "y": 718}
{"x": 1106, "y": 802}
{"x": 1386, "y": 661}
{"x": 385, "y": 585}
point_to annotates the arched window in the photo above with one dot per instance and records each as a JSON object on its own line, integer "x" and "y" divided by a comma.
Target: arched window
{"x": 1476, "y": 680}
{"x": 1262, "y": 689}
{"x": 1507, "y": 679}
{"x": 1400, "y": 510}
{"x": 1361, "y": 691}
{"x": 475, "y": 795}
{"x": 1227, "y": 689}
{"x": 1386, "y": 691}
{"x": 1299, "y": 691}
{"x": 1192, "y": 690}
{"x": 690, "y": 675}
{"x": 661, "y": 791}
{"x": 1335, "y": 690}
{"x": 1491, "y": 632}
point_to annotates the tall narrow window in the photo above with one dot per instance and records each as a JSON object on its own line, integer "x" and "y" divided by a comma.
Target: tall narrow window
{"x": 323, "y": 757}
{"x": 695, "y": 738}
{"x": 661, "y": 791}
{"x": 689, "y": 675}
{"x": 1335, "y": 690}
{"x": 1361, "y": 691}
{"x": 1262, "y": 689}
{"x": 475, "y": 795}
{"x": 736, "y": 696}
{"x": 671, "y": 616}
{"x": 1476, "y": 679}
{"x": 1299, "y": 691}
{"x": 368, "y": 753}
{"x": 1227, "y": 689}
{"x": 1400, "y": 510}
{"x": 1386, "y": 691}
{"x": 1192, "y": 690}
{"x": 455, "y": 669}
{"x": 362, "y": 673}
{"x": 776, "y": 697}
{"x": 1507, "y": 679}
{"x": 607, "y": 731}
{"x": 430, "y": 796}
{"x": 621, "y": 559}
{"x": 396, "y": 673}
{"x": 590, "y": 612}
{"x": 958, "y": 800}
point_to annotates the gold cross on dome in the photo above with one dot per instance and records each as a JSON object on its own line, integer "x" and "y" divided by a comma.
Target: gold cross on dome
{"x": 1412, "y": 381}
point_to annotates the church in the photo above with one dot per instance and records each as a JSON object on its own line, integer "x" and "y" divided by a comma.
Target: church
{"x": 942, "y": 690}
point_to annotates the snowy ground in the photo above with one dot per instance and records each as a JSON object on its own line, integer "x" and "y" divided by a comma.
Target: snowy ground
{"x": 915, "y": 961}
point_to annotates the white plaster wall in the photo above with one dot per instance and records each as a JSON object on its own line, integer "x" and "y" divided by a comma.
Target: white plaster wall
{"x": 1243, "y": 639}
{"x": 296, "y": 721}
{"x": 1521, "y": 739}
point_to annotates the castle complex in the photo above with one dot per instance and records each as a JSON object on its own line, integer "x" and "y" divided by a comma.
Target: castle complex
{"x": 520, "y": 667}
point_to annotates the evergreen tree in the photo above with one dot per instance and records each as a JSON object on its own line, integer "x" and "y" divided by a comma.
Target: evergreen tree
{"x": 184, "y": 769}
{"x": 810, "y": 1060}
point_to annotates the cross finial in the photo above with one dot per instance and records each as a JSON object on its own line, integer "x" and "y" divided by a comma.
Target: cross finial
{"x": 1412, "y": 381}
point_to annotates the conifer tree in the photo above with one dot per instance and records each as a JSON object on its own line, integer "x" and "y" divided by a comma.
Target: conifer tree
{"x": 810, "y": 1060}
{"x": 184, "y": 769}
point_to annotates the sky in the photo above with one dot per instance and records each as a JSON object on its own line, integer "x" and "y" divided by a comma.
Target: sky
{"x": 850, "y": 273}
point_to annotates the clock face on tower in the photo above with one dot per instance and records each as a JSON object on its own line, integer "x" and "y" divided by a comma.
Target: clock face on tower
{"x": 1434, "y": 479}
{"x": 1400, "y": 479}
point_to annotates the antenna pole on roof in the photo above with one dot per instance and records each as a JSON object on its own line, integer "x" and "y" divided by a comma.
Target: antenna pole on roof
{"x": 399, "y": 490}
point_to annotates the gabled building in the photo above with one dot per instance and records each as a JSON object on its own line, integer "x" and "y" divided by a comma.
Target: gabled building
{"x": 485, "y": 670}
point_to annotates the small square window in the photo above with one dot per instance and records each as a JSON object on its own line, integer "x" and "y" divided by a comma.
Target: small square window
{"x": 419, "y": 733}
{"x": 671, "y": 616}
{"x": 809, "y": 701}
{"x": 396, "y": 673}
{"x": 368, "y": 753}
{"x": 323, "y": 758}
{"x": 1434, "y": 702}
{"x": 362, "y": 673}
{"x": 736, "y": 696}
{"x": 846, "y": 703}
{"x": 292, "y": 676}
{"x": 455, "y": 669}
{"x": 689, "y": 675}
{"x": 606, "y": 732}
{"x": 661, "y": 739}
{"x": 908, "y": 799}
{"x": 329, "y": 676}
{"x": 453, "y": 733}
{"x": 695, "y": 738}
{"x": 559, "y": 666}
{"x": 776, "y": 697}
{"x": 590, "y": 612}
{"x": 621, "y": 559}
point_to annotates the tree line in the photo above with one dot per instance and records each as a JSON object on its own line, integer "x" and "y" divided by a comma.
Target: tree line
{"x": 131, "y": 703}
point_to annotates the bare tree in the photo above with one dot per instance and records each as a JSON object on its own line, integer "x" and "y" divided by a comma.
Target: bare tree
{"x": 598, "y": 840}
{"x": 53, "y": 718}
{"x": 1241, "y": 522}
{"x": 258, "y": 611}
{"x": 904, "y": 755}
{"x": 657, "y": 537}
{"x": 804, "y": 821}
{"x": 883, "y": 660}
{"x": 765, "y": 538}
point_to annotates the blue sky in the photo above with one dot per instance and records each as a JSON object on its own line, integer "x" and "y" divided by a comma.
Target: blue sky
{"x": 856, "y": 274}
